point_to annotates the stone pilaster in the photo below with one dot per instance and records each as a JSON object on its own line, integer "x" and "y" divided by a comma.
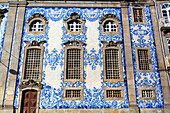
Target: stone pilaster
{"x": 161, "y": 61}
{"x": 15, "y": 57}
{"x": 5, "y": 58}
{"x": 129, "y": 62}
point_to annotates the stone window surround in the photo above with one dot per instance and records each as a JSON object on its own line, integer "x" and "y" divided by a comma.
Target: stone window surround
{"x": 33, "y": 45}
{"x": 74, "y": 45}
{"x": 149, "y": 58}
{"x": 76, "y": 17}
{"x": 35, "y": 17}
{"x": 147, "y": 98}
{"x": 143, "y": 12}
{"x": 112, "y": 45}
{"x": 122, "y": 98}
{"x": 110, "y": 17}
{"x": 29, "y": 85}
{"x": 81, "y": 98}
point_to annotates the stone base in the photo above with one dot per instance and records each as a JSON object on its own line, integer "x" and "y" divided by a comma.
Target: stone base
{"x": 123, "y": 110}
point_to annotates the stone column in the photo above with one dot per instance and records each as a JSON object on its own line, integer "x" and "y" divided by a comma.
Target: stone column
{"x": 4, "y": 64}
{"x": 15, "y": 57}
{"x": 161, "y": 60}
{"x": 129, "y": 61}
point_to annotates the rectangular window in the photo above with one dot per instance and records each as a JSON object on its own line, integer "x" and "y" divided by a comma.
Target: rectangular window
{"x": 32, "y": 66}
{"x": 73, "y": 93}
{"x": 112, "y": 64}
{"x": 147, "y": 93}
{"x": 113, "y": 93}
{"x": 138, "y": 14}
{"x": 143, "y": 59}
{"x": 73, "y": 63}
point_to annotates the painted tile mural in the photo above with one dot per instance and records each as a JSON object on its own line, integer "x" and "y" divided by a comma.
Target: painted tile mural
{"x": 51, "y": 95}
{"x": 3, "y": 27}
{"x": 142, "y": 36}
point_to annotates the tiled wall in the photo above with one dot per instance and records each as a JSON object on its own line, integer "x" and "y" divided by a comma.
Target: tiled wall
{"x": 51, "y": 95}
{"x": 143, "y": 36}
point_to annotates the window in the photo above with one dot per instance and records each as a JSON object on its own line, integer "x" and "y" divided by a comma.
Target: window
{"x": 73, "y": 93}
{"x": 74, "y": 61}
{"x": 138, "y": 15}
{"x": 114, "y": 93}
{"x": 110, "y": 24}
{"x": 143, "y": 57}
{"x": 147, "y": 93}
{"x": 112, "y": 62}
{"x": 2, "y": 15}
{"x": 74, "y": 24}
{"x": 36, "y": 24}
{"x": 166, "y": 13}
{"x": 33, "y": 58}
{"x": 168, "y": 44}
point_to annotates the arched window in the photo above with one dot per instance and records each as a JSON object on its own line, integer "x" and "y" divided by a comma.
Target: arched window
{"x": 110, "y": 25}
{"x": 74, "y": 24}
{"x": 36, "y": 24}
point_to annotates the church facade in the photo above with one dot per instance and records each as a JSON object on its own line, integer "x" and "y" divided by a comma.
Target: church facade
{"x": 84, "y": 56}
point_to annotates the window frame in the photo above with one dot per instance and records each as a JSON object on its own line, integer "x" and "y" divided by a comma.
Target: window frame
{"x": 74, "y": 45}
{"x": 143, "y": 15}
{"x": 81, "y": 98}
{"x": 33, "y": 45}
{"x": 122, "y": 98}
{"x": 149, "y": 59}
{"x": 110, "y": 17}
{"x": 167, "y": 9}
{"x": 112, "y": 45}
{"x": 147, "y": 98}
{"x": 74, "y": 17}
{"x": 36, "y": 17}
{"x": 168, "y": 38}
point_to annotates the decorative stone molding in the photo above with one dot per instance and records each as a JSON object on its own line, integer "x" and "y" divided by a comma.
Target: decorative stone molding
{"x": 2, "y": 14}
{"x": 74, "y": 45}
{"x": 74, "y": 17}
{"x": 35, "y": 17}
{"x": 33, "y": 45}
{"x": 110, "y": 17}
{"x": 30, "y": 84}
{"x": 112, "y": 45}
